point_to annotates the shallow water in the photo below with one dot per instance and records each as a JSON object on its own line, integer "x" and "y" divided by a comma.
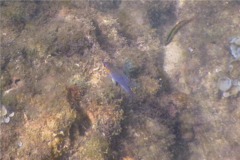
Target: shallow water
{"x": 66, "y": 107}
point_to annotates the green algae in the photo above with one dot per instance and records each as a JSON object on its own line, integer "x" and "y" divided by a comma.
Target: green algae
{"x": 96, "y": 148}
{"x": 159, "y": 13}
{"x": 9, "y": 100}
{"x": 131, "y": 69}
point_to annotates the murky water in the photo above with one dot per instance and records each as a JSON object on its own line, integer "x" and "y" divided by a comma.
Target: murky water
{"x": 58, "y": 100}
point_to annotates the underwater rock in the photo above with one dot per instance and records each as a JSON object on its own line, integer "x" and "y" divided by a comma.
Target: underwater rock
{"x": 235, "y": 47}
{"x": 148, "y": 139}
{"x": 151, "y": 86}
{"x": 47, "y": 117}
{"x": 106, "y": 120}
{"x": 159, "y": 13}
{"x": 95, "y": 147}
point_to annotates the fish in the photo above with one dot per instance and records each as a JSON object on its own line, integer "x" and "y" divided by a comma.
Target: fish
{"x": 118, "y": 77}
{"x": 176, "y": 28}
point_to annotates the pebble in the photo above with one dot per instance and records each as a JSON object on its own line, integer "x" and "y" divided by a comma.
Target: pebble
{"x": 20, "y": 144}
{"x": 12, "y": 114}
{"x": 3, "y": 111}
{"x": 236, "y": 82}
{"x": 4, "y": 117}
{"x": 7, "y": 120}
{"x": 235, "y": 47}
{"x": 224, "y": 84}
{"x": 226, "y": 94}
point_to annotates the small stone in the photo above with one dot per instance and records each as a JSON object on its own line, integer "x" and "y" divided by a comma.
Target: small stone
{"x": 20, "y": 144}
{"x": 190, "y": 49}
{"x": 235, "y": 82}
{"x": 3, "y": 111}
{"x": 7, "y": 120}
{"x": 235, "y": 47}
{"x": 238, "y": 51}
{"x": 235, "y": 40}
{"x": 224, "y": 84}
{"x": 226, "y": 94}
{"x": 12, "y": 114}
